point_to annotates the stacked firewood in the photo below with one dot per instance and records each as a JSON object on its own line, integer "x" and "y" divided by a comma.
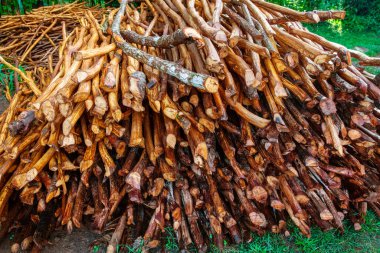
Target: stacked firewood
{"x": 33, "y": 39}
{"x": 216, "y": 118}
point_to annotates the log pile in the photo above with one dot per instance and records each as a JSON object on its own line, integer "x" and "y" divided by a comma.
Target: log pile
{"x": 33, "y": 39}
{"x": 216, "y": 118}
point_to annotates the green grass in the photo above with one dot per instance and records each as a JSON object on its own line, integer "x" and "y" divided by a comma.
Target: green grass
{"x": 366, "y": 240}
{"x": 368, "y": 40}
{"x": 7, "y": 78}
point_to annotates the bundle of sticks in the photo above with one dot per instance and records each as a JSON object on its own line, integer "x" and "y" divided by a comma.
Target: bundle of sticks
{"x": 214, "y": 118}
{"x": 33, "y": 39}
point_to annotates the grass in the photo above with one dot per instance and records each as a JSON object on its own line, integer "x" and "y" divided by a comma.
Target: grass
{"x": 7, "y": 78}
{"x": 366, "y": 240}
{"x": 367, "y": 40}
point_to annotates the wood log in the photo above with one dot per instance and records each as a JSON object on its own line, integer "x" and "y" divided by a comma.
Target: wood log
{"x": 216, "y": 118}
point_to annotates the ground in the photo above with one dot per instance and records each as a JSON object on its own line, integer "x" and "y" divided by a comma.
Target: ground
{"x": 367, "y": 240}
{"x": 61, "y": 242}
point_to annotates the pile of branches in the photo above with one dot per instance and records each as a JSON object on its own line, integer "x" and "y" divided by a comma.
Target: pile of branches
{"x": 33, "y": 39}
{"x": 214, "y": 118}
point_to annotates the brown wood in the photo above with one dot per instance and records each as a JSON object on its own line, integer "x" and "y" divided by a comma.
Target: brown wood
{"x": 216, "y": 118}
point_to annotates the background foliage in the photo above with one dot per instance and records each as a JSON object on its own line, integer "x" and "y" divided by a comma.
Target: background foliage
{"x": 16, "y": 6}
{"x": 362, "y": 15}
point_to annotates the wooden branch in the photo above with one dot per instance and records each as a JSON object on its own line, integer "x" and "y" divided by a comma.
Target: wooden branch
{"x": 199, "y": 81}
{"x": 28, "y": 80}
{"x": 308, "y": 17}
{"x": 186, "y": 35}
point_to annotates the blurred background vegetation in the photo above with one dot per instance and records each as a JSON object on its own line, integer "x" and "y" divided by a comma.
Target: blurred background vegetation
{"x": 362, "y": 15}
{"x": 360, "y": 30}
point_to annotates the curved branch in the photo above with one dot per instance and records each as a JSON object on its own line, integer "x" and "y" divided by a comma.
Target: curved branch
{"x": 200, "y": 81}
{"x": 240, "y": 42}
{"x": 250, "y": 29}
{"x": 171, "y": 13}
{"x": 244, "y": 112}
{"x": 32, "y": 85}
{"x": 186, "y": 35}
{"x": 307, "y": 17}
{"x": 210, "y": 31}
{"x": 364, "y": 59}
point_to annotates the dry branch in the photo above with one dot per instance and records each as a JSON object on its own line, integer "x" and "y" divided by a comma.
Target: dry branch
{"x": 212, "y": 117}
